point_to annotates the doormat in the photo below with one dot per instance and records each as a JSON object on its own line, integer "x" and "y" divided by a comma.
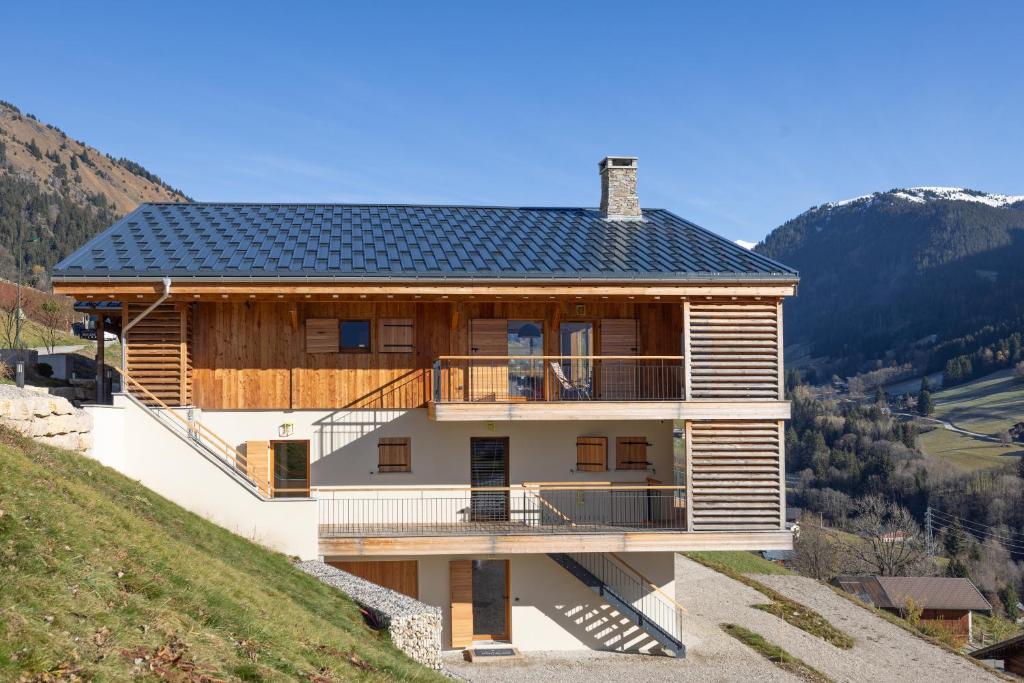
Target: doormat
{"x": 491, "y": 653}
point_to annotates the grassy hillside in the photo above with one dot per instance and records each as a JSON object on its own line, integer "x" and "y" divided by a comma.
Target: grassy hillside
{"x": 987, "y": 405}
{"x": 102, "y": 579}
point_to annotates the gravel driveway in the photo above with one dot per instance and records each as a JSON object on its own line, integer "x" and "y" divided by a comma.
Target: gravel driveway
{"x": 882, "y": 652}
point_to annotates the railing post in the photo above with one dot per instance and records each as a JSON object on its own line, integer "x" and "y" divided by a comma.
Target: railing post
{"x": 437, "y": 381}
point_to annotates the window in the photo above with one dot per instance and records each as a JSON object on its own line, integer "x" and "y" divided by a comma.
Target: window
{"x": 526, "y": 376}
{"x": 396, "y": 335}
{"x": 394, "y": 454}
{"x": 631, "y": 453}
{"x": 355, "y": 336}
{"x": 592, "y": 453}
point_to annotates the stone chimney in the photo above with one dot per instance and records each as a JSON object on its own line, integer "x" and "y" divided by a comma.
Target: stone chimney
{"x": 618, "y": 189}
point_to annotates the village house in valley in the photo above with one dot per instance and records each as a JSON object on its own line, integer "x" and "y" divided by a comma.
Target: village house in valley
{"x": 517, "y": 415}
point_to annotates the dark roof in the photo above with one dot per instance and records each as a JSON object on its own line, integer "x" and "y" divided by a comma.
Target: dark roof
{"x": 1001, "y": 650}
{"x": 928, "y": 592}
{"x": 397, "y": 242}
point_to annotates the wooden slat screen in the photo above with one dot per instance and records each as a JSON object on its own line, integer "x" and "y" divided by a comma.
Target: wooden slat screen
{"x": 460, "y": 583}
{"x": 322, "y": 335}
{"x": 734, "y": 349}
{"x": 396, "y": 335}
{"x": 631, "y": 452}
{"x": 394, "y": 454}
{"x": 158, "y": 354}
{"x": 736, "y": 479}
{"x": 592, "y": 453}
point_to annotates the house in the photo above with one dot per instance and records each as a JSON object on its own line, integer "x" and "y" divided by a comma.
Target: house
{"x": 946, "y": 602}
{"x": 475, "y": 406}
{"x": 1009, "y": 651}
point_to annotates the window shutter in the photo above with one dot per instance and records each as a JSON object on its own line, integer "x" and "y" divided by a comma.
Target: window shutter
{"x": 394, "y": 454}
{"x": 631, "y": 453}
{"x": 397, "y": 335}
{"x": 257, "y": 464}
{"x": 592, "y": 453}
{"x": 322, "y": 335}
{"x": 460, "y": 582}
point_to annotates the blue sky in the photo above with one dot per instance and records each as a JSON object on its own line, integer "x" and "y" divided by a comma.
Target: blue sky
{"x": 743, "y": 114}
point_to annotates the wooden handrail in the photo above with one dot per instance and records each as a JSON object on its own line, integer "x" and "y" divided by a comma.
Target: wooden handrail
{"x": 643, "y": 578}
{"x": 230, "y": 451}
{"x": 498, "y": 489}
{"x": 542, "y": 358}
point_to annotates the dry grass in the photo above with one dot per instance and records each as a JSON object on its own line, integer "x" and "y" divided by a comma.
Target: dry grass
{"x": 775, "y": 654}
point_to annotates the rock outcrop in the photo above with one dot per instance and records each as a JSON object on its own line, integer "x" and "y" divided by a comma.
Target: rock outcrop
{"x": 32, "y": 411}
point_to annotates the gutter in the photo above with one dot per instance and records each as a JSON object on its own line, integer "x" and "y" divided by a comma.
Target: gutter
{"x": 139, "y": 317}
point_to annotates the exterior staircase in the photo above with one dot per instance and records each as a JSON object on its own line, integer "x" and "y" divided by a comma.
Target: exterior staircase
{"x": 634, "y": 598}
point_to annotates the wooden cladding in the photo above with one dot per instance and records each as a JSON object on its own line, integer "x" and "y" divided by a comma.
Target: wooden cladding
{"x": 735, "y": 349}
{"x": 460, "y": 583}
{"x": 631, "y": 453}
{"x": 398, "y": 575}
{"x": 322, "y": 335}
{"x": 159, "y": 353}
{"x": 394, "y": 454}
{"x": 735, "y": 475}
{"x": 396, "y": 335}
{"x": 592, "y": 453}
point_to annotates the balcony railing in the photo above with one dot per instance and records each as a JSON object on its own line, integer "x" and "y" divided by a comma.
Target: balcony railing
{"x": 512, "y": 379}
{"x": 511, "y": 510}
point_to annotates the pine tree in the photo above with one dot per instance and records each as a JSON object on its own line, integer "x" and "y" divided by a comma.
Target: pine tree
{"x": 957, "y": 568}
{"x": 880, "y": 398}
{"x": 1020, "y": 468}
{"x": 925, "y": 404}
{"x": 955, "y": 541}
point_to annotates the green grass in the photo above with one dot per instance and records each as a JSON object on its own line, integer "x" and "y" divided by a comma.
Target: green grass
{"x": 790, "y": 611}
{"x": 986, "y": 405}
{"x": 33, "y": 334}
{"x": 740, "y": 561}
{"x": 775, "y": 654}
{"x": 103, "y": 579}
{"x": 966, "y": 452}
{"x": 994, "y": 628}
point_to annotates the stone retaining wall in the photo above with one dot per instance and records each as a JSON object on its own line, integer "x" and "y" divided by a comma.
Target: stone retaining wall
{"x": 32, "y": 411}
{"x": 415, "y": 627}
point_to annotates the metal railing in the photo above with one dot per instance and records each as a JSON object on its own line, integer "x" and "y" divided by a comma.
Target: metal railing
{"x": 634, "y": 588}
{"x": 510, "y": 379}
{"x": 513, "y": 510}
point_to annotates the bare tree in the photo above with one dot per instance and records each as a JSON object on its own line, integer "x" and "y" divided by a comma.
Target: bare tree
{"x": 815, "y": 552}
{"x": 53, "y": 314}
{"x": 8, "y": 317}
{"x": 889, "y": 541}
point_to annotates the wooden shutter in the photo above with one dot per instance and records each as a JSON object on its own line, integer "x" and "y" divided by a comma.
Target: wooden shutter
{"x": 734, "y": 349}
{"x": 158, "y": 353}
{"x": 488, "y": 379}
{"x": 735, "y": 475}
{"x": 460, "y": 581}
{"x": 618, "y": 377}
{"x": 257, "y": 464}
{"x": 592, "y": 453}
{"x": 322, "y": 335}
{"x": 631, "y": 453}
{"x": 396, "y": 335}
{"x": 394, "y": 454}
{"x": 398, "y": 575}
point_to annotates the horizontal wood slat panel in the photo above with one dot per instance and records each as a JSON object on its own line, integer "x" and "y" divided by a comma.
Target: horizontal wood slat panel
{"x": 157, "y": 354}
{"x": 322, "y": 335}
{"x": 397, "y": 335}
{"x": 736, "y": 478}
{"x": 734, "y": 350}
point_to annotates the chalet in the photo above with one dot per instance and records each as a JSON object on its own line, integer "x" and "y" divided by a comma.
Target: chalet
{"x": 944, "y": 601}
{"x": 1010, "y": 652}
{"x": 515, "y": 414}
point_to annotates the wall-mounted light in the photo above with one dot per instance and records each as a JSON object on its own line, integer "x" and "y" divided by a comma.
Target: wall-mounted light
{"x": 286, "y": 429}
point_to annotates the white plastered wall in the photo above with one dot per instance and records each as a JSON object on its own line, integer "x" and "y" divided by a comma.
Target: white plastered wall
{"x": 551, "y": 609}
{"x": 134, "y": 442}
{"x": 343, "y": 445}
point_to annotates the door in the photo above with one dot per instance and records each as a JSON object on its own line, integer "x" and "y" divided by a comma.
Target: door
{"x": 619, "y": 378}
{"x": 488, "y": 378}
{"x": 490, "y": 600}
{"x": 291, "y": 468}
{"x": 488, "y": 467}
{"x": 576, "y": 345}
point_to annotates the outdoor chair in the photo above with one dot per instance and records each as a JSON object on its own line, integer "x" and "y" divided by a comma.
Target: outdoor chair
{"x": 579, "y": 389}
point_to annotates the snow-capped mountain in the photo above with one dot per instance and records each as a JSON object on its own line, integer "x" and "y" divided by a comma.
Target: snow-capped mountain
{"x": 920, "y": 195}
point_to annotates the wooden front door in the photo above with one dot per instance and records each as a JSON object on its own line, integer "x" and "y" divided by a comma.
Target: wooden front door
{"x": 619, "y": 377}
{"x": 398, "y": 575}
{"x": 488, "y": 379}
{"x": 488, "y": 467}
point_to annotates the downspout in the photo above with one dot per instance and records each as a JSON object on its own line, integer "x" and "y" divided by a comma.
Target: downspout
{"x": 131, "y": 324}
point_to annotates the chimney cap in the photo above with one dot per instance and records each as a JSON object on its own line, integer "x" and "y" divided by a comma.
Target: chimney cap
{"x": 616, "y": 162}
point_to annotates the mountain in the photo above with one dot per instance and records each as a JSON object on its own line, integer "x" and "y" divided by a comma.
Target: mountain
{"x": 62, "y": 191}
{"x": 915, "y": 275}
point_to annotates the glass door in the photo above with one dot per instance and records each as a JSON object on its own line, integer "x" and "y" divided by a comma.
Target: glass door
{"x": 490, "y": 600}
{"x": 291, "y": 469}
{"x": 488, "y": 467}
{"x": 576, "y": 379}
{"x": 526, "y": 375}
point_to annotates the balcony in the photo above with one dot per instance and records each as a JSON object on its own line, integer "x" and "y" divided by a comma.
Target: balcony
{"x": 474, "y": 388}
{"x": 529, "y": 518}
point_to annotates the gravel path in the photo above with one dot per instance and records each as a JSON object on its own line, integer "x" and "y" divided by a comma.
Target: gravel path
{"x": 882, "y": 652}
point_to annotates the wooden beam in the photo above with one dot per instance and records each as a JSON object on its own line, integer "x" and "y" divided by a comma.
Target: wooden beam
{"x": 560, "y": 543}
{"x": 611, "y": 410}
